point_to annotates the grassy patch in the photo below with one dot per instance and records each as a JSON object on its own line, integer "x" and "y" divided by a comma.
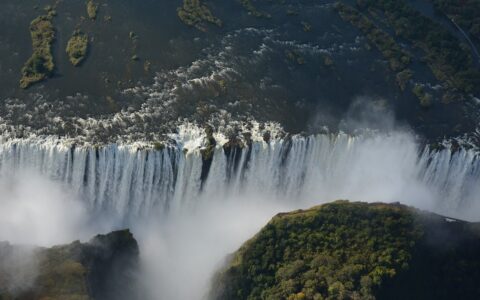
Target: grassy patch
{"x": 77, "y": 47}
{"x": 40, "y": 65}
{"x": 195, "y": 13}
{"x": 403, "y": 78}
{"x": 92, "y": 9}
{"x": 424, "y": 97}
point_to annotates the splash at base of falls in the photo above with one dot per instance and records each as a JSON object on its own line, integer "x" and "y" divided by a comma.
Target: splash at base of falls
{"x": 129, "y": 182}
{"x": 189, "y": 211}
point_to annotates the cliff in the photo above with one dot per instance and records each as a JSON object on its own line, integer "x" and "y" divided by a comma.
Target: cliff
{"x": 103, "y": 268}
{"x": 349, "y": 250}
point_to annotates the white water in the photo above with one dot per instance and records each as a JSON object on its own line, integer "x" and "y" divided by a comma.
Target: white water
{"x": 185, "y": 228}
{"x": 129, "y": 182}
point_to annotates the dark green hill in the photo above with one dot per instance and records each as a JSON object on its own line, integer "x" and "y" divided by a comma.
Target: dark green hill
{"x": 103, "y": 268}
{"x": 349, "y": 250}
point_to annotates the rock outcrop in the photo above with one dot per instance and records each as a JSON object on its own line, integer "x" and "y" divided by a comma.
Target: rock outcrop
{"x": 104, "y": 268}
{"x": 346, "y": 250}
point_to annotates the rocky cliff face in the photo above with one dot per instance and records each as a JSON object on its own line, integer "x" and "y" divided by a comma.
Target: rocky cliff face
{"x": 103, "y": 268}
{"x": 348, "y": 250}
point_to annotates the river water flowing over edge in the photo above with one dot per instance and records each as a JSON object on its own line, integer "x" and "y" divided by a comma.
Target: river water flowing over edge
{"x": 198, "y": 219}
{"x": 128, "y": 181}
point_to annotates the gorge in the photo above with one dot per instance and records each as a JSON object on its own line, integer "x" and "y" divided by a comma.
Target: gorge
{"x": 191, "y": 123}
{"x": 178, "y": 201}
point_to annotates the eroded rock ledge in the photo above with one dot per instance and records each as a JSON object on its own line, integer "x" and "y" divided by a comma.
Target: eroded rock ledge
{"x": 103, "y": 268}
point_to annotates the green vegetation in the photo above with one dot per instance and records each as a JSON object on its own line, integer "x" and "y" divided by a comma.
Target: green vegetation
{"x": 307, "y": 27}
{"x": 247, "y": 4}
{"x": 207, "y": 152}
{"x": 77, "y": 47}
{"x": 464, "y": 13}
{"x": 158, "y": 146}
{"x": 51, "y": 12}
{"x": 92, "y": 9}
{"x": 346, "y": 250}
{"x": 72, "y": 272}
{"x": 403, "y": 78}
{"x": 62, "y": 276}
{"x": 425, "y": 98}
{"x": 335, "y": 251}
{"x": 195, "y": 13}
{"x": 40, "y": 65}
{"x": 398, "y": 59}
{"x": 448, "y": 58}
{"x": 328, "y": 60}
{"x": 294, "y": 56}
{"x": 210, "y": 143}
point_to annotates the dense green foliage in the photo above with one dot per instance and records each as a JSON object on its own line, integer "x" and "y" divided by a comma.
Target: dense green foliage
{"x": 465, "y": 13}
{"x": 92, "y": 9}
{"x": 403, "y": 78}
{"x": 346, "y": 250}
{"x": 398, "y": 59}
{"x": 194, "y": 13}
{"x": 77, "y": 47}
{"x": 40, "y": 65}
{"x": 335, "y": 251}
{"x": 62, "y": 275}
{"x": 424, "y": 98}
{"x": 448, "y": 58}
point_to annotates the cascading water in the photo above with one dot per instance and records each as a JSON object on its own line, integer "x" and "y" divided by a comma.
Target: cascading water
{"x": 128, "y": 181}
{"x": 189, "y": 210}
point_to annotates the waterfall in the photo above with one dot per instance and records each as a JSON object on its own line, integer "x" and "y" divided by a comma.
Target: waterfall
{"x": 129, "y": 181}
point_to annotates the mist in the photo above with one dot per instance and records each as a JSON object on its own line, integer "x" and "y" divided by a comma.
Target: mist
{"x": 38, "y": 211}
{"x": 34, "y": 211}
{"x": 181, "y": 252}
{"x": 181, "y": 247}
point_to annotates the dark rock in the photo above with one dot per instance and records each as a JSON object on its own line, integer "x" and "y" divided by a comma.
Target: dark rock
{"x": 267, "y": 137}
{"x": 104, "y": 268}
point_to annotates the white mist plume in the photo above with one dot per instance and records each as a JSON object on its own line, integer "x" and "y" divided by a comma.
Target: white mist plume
{"x": 369, "y": 113}
{"x": 34, "y": 211}
{"x": 185, "y": 233}
{"x": 181, "y": 252}
{"x": 37, "y": 211}
{"x": 18, "y": 268}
